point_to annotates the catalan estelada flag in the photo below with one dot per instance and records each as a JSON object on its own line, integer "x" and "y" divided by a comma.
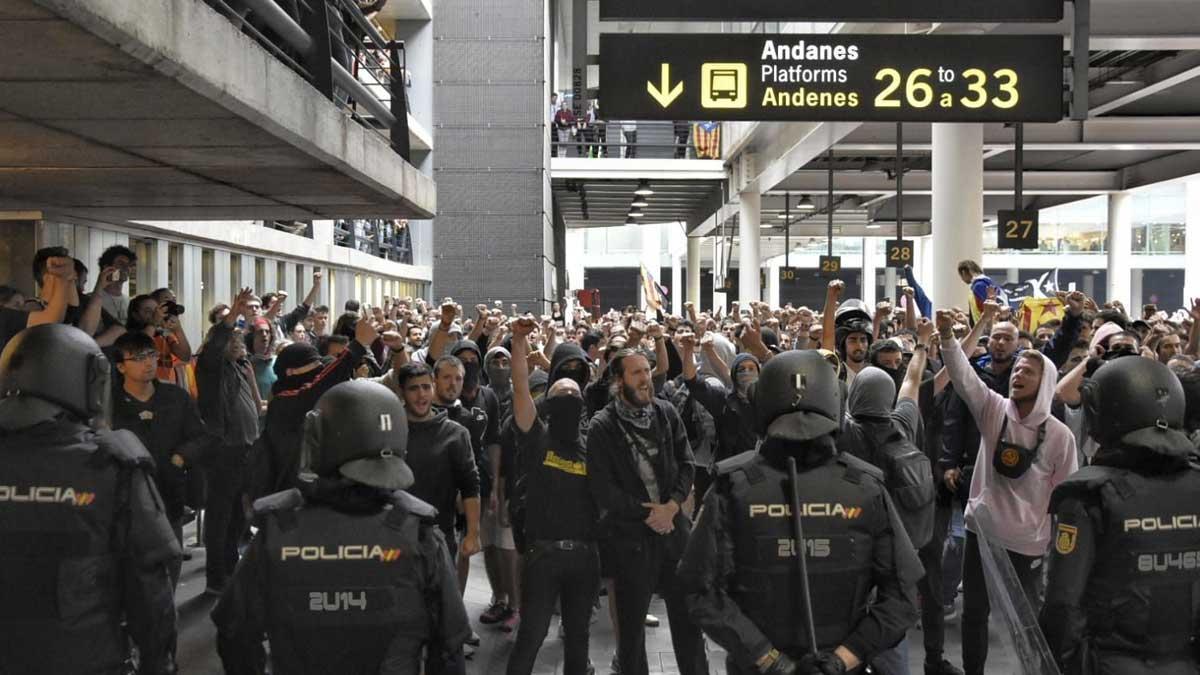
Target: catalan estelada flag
{"x": 707, "y": 137}
{"x": 653, "y": 293}
{"x": 1036, "y": 311}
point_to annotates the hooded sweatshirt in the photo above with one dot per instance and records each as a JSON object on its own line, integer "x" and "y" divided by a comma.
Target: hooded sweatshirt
{"x": 440, "y": 456}
{"x": 502, "y": 387}
{"x": 1018, "y": 509}
{"x": 564, "y": 352}
{"x": 871, "y": 416}
{"x": 709, "y": 368}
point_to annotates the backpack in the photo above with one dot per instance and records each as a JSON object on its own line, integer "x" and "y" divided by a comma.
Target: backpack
{"x": 697, "y": 421}
{"x": 908, "y": 476}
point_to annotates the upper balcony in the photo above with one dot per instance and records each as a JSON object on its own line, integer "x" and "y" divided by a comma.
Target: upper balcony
{"x": 204, "y": 110}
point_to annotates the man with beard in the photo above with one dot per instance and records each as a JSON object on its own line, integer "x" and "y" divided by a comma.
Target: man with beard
{"x": 730, "y": 408}
{"x": 302, "y": 376}
{"x": 444, "y": 466}
{"x": 640, "y": 470}
{"x": 230, "y": 409}
{"x": 739, "y": 572}
{"x": 559, "y": 531}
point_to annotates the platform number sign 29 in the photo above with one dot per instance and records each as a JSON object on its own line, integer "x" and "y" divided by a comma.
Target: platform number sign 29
{"x": 1017, "y": 229}
{"x": 830, "y": 265}
{"x": 899, "y": 253}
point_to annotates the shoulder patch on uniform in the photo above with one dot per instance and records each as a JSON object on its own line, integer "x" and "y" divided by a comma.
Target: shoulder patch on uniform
{"x": 288, "y": 500}
{"x": 739, "y": 461}
{"x": 852, "y": 462}
{"x": 1064, "y": 539}
{"x": 1083, "y": 483}
{"x": 124, "y": 447}
{"x": 414, "y": 505}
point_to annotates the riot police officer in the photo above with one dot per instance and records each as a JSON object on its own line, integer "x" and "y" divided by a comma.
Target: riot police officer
{"x": 352, "y": 574}
{"x": 750, "y": 602}
{"x": 85, "y": 545}
{"x": 1125, "y": 569}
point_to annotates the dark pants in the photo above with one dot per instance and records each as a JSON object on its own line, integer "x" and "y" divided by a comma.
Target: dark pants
{"x": 631, "y": 147}
{"x": 550, "y": 575}
{"x": 437, "y": 660}
{"x": 639, "y": 568}
{"x": 175, "y": 567}
{"x": 933, "y": 618}
{"x": 976, "y": 606}
{"x": 681, "y": 140}
{"x": 225, "y": 519}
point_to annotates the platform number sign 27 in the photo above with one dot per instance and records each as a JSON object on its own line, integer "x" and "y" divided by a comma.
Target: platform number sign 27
{"x": 899, "y": 253}
{"x": 1017, "y": 229}
{"x": 830, "y": 265}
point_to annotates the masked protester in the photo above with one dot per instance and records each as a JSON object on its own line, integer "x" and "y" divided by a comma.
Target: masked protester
{"x": 497, "y": 365}
{"x": 558, "y": 515}
{"x": 87, "y": 544}
{"x": 740, "y": 560}
{"x": 1023, "y": 454}
{"x": 1122, "y": 594}
{"x": 350, "y": 574}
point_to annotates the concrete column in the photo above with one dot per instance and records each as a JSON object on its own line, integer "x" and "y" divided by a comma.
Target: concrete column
{"x": 1089, "y": 285}
{"x": 294, "y": 285}
{"x": 1012, "y": 275}
{"x": 247, "y": 275}
{"x": 772, "y": 294}
{"x": 158, "y": 266}
{"x": 957, "y": 208}
{"x": 222, "y": 290}
{"x": 1191, "y": 272}
{"x": 676, "y": 285}
{"x": 868, "y": 271}
{"x": 1118, "y": 245}
{"x": 271, "y": 283}
{"x": 891, "y": 279}
{"x": 749, "y": 219}
{"x": 189, "y": 294}
{"x": 576, "y": 254}
{"x": 651, "y": 257}
{"x": 718, "y": 299}
{"x": 693, "y": 271}
{"x": 1136, "y": 298}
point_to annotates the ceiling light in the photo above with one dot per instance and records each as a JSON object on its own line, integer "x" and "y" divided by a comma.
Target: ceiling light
{"x": 636, "y": 214}
{"x": 873, "y": 226}
{"x": 640, "y": 202}
{"x": 643, "y": 189}
{"x": 805, "y": 204}
{"x": 782, "y": 216}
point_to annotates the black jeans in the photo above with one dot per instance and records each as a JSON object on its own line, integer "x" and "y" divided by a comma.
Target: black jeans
{"x": 933, "y": 618}
{"x": 550, "y": 575}
{"x": 225, "y": 519}
{"x": 639, "y": 568}
{"x": 976, "y": 606}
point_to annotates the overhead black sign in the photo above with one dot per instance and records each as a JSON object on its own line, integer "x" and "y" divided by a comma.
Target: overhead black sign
{"x": 788, "y": 276}
{"x": 834, "y": 10}
{"x": 885, "y": 78}
{"x": 899, "y": 253}
{"x": 1017, "y": 229}
{"x": 830, "y": 265}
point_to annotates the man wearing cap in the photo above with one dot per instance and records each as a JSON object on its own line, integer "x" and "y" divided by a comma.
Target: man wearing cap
{"x": 302, "y": 376}
{"x": 349, "y": 574}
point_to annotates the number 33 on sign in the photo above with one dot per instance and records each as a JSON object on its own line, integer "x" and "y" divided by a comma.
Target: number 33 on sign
{"x": 1017, "y": 229}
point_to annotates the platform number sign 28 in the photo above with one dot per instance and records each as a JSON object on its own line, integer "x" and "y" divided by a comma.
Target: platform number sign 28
{"x": 899, "y": 253}
{"x": 1017, "y": 229}
{"x": 830, "y": 265}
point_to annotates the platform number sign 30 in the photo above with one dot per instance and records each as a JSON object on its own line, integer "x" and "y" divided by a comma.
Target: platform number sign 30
{"x": 899, "y": 253}
{"x": 830, "y": 265}
{"x": 1017, "y": 229}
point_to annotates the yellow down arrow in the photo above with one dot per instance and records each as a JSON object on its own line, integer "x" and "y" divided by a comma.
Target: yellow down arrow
{"x": 664, "y": 94}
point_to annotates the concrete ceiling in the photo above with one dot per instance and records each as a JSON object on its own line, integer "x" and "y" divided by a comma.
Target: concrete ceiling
{"x": 162, "y": 110}
{"x": 606, "y": 203}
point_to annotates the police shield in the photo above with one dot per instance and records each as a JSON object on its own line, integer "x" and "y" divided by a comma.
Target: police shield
{"x": 1009, "y": 602}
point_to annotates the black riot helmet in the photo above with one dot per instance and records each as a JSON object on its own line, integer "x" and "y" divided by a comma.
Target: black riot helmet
{"x": 852, "y": 310}
{"x": 60, "y": 364}
{"x": 1130, "y": 395}
{"x": 797, "y": 397}
{"x": 359, "y": 429}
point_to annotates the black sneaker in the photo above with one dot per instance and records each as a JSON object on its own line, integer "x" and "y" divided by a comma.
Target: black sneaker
{"x": 943, "y": 668}
{"x": 474, "y": 639}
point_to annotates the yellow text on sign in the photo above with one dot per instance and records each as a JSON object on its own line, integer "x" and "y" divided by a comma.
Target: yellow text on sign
{"x": 723, "y": 85}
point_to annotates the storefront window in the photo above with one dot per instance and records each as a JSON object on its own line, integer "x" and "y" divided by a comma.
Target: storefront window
{"x": 1159, "y": 220}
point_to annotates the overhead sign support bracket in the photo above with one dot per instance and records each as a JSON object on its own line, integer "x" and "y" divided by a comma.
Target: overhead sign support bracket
{"x": 1080, "y": 39}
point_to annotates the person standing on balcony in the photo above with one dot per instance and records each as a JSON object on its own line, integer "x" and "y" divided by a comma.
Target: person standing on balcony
{"x": 682, "y": 131}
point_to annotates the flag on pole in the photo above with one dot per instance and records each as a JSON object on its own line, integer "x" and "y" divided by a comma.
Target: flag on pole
{"x": 652, "y": 291}
{"x": 707, "y": 137}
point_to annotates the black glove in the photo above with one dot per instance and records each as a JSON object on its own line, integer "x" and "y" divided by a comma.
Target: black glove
{"x": 825, "y": 663}
{"x": 784, "y": 665}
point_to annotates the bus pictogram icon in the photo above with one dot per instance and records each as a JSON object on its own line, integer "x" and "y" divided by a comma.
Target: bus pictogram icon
{"x": 723, "y": 85}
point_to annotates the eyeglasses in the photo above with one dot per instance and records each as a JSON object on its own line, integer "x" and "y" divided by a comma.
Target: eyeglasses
{"x": 142, "y": 356}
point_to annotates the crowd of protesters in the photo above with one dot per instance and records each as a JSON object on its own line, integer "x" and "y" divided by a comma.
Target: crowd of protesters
{"x": 494, "y": 399}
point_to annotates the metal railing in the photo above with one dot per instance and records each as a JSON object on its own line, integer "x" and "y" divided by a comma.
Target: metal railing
{"x": 333, "y": 45}
{"x": 630, "y": 140}
{"x": 388, "y": 239}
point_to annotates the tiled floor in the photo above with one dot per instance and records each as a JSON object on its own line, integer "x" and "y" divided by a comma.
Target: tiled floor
{"x": 197, "y": 652}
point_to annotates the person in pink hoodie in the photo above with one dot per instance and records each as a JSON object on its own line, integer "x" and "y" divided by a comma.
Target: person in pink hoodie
{"x": 1024, "y": 453}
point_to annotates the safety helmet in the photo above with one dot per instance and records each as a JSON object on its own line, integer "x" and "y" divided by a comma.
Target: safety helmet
{"x": 1131, "y": 394}
{"x": 797, "y": 397}
{"x": 359, "y": 429}
{"x": 60, "y": 364}
{"x": 850, "y": 310}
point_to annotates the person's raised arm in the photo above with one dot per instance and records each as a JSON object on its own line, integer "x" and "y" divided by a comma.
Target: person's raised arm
{"x": 832, "y": 295}
{"x": 60, "y": 277}
{"x": 550, "y": 335}
{"x": 89, "y": 320}
{"x": 1193, "y": 344}
{"x": 523, "y": 408}
{"x": 180, "y": 347}
{"x": 481, "y": 315}
{"x": 966, "y": 381}
{"x": 751, "y": 340}
{"x": 314, "y": 290}
{"x": 441, "y": 332}
{"x": 1068, "y": 388}
{"x": 662, "y": 361}
{"x": 883, "y": 312}
{"x": 911, "y": 388}
{"x": 910, "y": 307}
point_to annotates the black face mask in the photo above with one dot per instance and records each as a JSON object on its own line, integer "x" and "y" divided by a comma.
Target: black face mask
{"x": 1118, "y": 352}
{"x": 1011, "y": 460}
{"x": 562, "y": 414}
{"x": 470, "y": 374}
{"x": 897, "y": 375}
{"x": 575, "y": 372}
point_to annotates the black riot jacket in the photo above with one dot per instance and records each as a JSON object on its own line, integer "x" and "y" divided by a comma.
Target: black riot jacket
{"x": 740, "y": 560}
{"x": 1124, "y": 584}
{"x": 85, "y": 547}
{"x": 353, "y": 581}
